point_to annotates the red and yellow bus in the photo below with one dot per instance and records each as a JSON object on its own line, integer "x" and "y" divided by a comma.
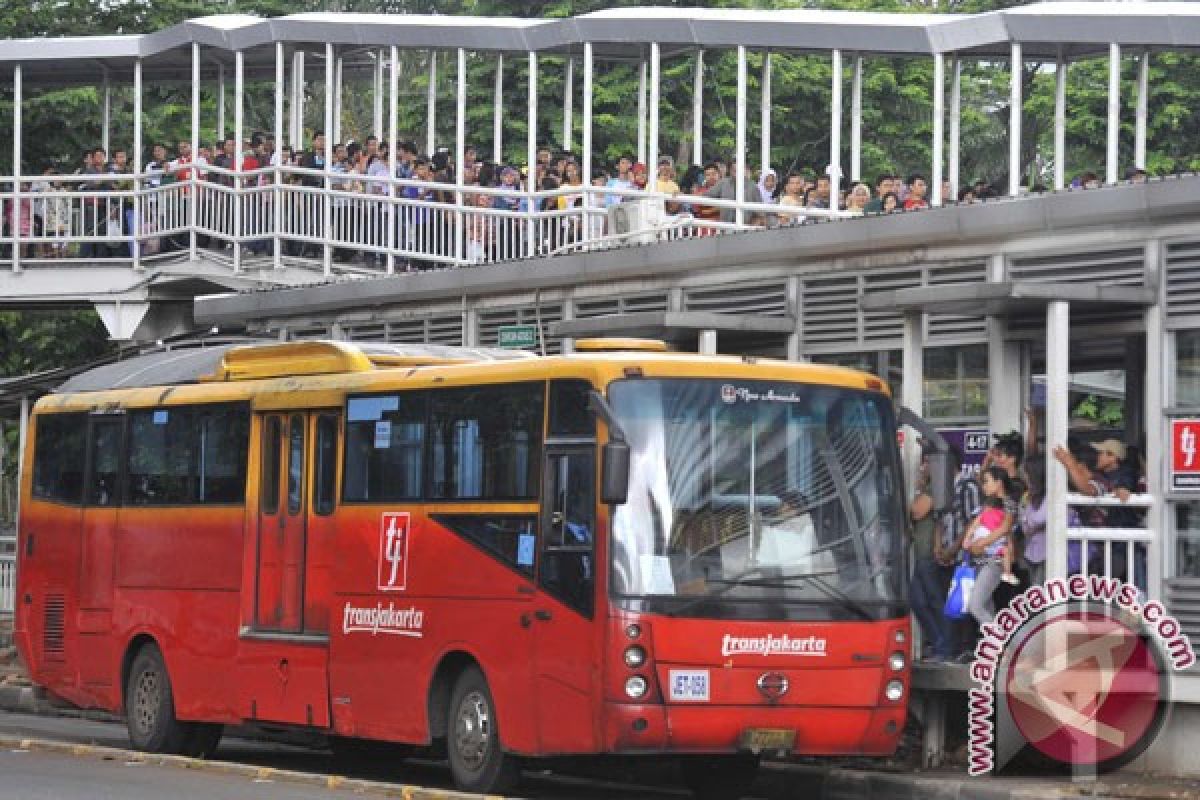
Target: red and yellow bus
{"x": 619, "y": 551}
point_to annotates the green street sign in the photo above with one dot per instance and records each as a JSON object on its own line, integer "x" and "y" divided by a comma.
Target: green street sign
{"x": 518, "y": 337}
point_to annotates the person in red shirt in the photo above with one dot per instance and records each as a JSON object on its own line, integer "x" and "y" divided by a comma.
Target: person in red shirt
{"x": 918, "y": 188}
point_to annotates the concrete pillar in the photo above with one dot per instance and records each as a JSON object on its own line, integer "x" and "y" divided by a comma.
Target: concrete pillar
{"x": 1156, "y": 374}
{"x": 706, "y": 344}
{"x": 1005, "y": 403}
{"x": 1014, "y": 122}
{"x": 1112, "y": 159}
{"x": 1058, "y": 366}
{"x": 835, "y": 132}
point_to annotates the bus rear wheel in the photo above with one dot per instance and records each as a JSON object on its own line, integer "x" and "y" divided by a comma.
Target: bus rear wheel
{"x": 477, "y": 758}
{"x": 150, "y": 707}
{"x": 720, "y": 777}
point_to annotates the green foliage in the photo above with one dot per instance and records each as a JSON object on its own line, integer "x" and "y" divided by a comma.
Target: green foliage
{"x": 36, "y": 341}
{"x": 1108, "y": 412}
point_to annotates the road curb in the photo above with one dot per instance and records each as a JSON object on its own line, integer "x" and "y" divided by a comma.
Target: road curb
{"x": 31, "y": 700}
{"x": 250, "y": 771}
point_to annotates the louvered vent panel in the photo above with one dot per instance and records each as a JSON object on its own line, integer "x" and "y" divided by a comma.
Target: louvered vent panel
{"x": 446, "y": 330}
{"x": 1183, "y": 601}
{"x": 491, "y": 321}
{"x": 769, "y": 300}
{"x": 406, "y": 331}
{"x": 309, "y": 332}
{"x": 54, "y": 620}
{"x": 886, "y": 327}
{"x": 586, "y": 308}
{"x": 830, "y": 314}
{"x": 1119, "y": 267}
{"x": 951, "y": 325}
{"x": 1183, "y": 279}
{"x": 374, "y": 332}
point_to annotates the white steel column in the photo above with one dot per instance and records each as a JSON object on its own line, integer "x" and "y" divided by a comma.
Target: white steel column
{"x": 1143, "y": 103}
{"x": 337, "y": 103}
{"x": 460, "y": 147}
{"x": 277, "y": 156}
{"x": 1111, "y": 162}
{"x": 764, "y": 159}
{"x": 939, "y": 128}
{"x": 697, "y": 111}
{"x": 912, "y": 390}
{"x": 652, "y": 141}
{"x": 956, "y": 129}
{"x": 16, "y": 227}
{"x": 739, "y": 177}
{"x": 641, "y": 119}
{"x": 137, "y": 163}
{"x": 569, "y": 105}
{"x": 393, "y": 99}
{"x": 377, "y": 127}
{"x": 297, "y": 129}
{"x": 106, "y": 112}
{"x": 1156, "y": 426}
{"x": 835, "y": 131}
{"x": 498, "y": 113}
{"x": 326, "y": 204}
{"x": 531, "y": 157}
{"x": 1014, "y": 121}
{"x": 239, "y": 90}
{"x": 220, "y": 106}
{"x": 194, "y": 181}
{"x": 1060, "y": 123}
{"x": 1058, "y": 332}
{"x": 431, "y": 106}
{"x": 586, "y": 155}
{"x": 856, "y": 120}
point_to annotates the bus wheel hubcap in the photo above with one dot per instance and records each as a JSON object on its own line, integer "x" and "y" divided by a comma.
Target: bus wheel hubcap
{"x": 473, "y": 730}
{"x": 146, "y": 700}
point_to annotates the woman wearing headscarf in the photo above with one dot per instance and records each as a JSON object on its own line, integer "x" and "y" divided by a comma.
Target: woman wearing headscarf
{"x": 768, "y": 184}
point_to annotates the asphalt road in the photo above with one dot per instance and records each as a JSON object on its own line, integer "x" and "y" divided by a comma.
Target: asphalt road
{"x": 33, "y": 774}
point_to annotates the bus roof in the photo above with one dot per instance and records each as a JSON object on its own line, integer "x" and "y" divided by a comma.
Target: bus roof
{"x": 271, "y": 359}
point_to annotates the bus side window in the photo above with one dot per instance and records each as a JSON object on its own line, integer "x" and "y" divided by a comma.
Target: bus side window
{"x": 325, "y": 468}
{"x": 105, "y": 462}
{"x": 269, "y": 502}
{"x": 569, "y": 415}
{"x": 58, "y": 457}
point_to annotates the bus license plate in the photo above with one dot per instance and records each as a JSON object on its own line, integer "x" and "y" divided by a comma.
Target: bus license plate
{"x": 758, "y": 739}
{"x": 689, "y": 685}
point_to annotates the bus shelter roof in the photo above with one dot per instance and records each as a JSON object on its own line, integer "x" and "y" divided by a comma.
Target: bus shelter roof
{"x": 1045, "y": 31}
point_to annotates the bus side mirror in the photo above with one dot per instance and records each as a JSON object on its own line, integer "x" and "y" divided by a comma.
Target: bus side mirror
{"x": 941, "y": 480}
{"x": 614, "y": 476}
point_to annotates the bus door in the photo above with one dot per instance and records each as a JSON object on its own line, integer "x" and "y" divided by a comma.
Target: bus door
{"x": 565, "y": 657}
{"x": 102, "y": 500}
{"x": 284, "y": 652}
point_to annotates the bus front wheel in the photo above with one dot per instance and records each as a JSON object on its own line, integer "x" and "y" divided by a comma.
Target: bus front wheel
{"x": 477, "y": 758}
{"x": 150, "y": 707}
{"x": 720, "y": 777}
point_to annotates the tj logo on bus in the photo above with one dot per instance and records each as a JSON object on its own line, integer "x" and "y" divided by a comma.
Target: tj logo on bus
{"x": 393, "y": 552}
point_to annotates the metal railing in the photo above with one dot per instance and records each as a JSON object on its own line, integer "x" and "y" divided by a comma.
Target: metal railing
{"x": 1115, "y": 552}
{"x": 341, "y": 218}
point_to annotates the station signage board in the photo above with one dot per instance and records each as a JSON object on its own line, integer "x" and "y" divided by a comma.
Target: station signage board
{"x": 1185, "y": 455}
{"x": 517, "y": 337}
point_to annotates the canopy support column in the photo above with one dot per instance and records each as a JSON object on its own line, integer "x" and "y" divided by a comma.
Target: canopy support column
{"x": 1060, "y": 123}
{"x": 764, "y": 161}
{"x": 460, "y": 147}
{"x": 498, "y": 113}
{"x": 856, "y": 120}
{"x": 939, "y": 128}
{"x": 393, "y": 144}
{"x": 1111, "y": 162}
{"x": 337, "y": 102}
{"x": 136, "y": 164}
{"x": 1058, "y": 366}
{"x": 221, "y": 104}
{"x": 297, "y": 131}
{"x": 106, "y": 112}
{"x": 326, "y": 201}
{"x": 652, "y": 141}
{"x": 431, "y": 106}
{"x": 956, "y": 130}
{"x": 1015, "y": 104}
{"x": 16, "y": 200}
{"x": 586, "y": 155}
{"x": 239, "y": 87}
{"x": 194, "y": 179}
{"x": 277, "y": 158}
{"x": 377, "y": 97}
{"x": 531, "y": 158}
{"x": 1143, "y": 103}
{"x": 568, "y": 105}
{"x": 912, "y": 390}
{"x": 641, "y": 112}
{"x": 834, "y": 170}
{"x": 739, "y": 175}
{"x": 697, "y": 111}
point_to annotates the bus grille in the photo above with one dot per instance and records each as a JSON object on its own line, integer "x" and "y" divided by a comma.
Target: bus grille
{"x": 53, "y": 627}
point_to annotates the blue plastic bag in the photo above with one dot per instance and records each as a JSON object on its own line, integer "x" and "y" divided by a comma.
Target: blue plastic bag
{"x": 958, "y": 599}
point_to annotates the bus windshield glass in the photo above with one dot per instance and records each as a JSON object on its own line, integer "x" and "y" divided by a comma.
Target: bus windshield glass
{"x": 758, "y": 500}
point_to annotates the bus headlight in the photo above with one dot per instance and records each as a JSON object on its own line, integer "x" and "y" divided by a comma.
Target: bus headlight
{"x": 897, "y": 662}
{"x": 634, "y": 657}
{"x": 893, "y": 692}
{"x": 636, "y": 687}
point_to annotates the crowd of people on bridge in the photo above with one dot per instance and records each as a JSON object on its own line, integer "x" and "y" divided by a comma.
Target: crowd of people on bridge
{"x": 996, "y": 523}
{"x": 95, "y": 226}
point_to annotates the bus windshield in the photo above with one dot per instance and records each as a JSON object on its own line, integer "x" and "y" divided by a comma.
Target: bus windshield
{"x": 758, "y": 500}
